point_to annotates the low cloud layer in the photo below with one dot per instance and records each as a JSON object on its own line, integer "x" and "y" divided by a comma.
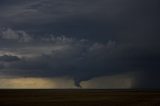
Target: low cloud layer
{"x": 80, "y": 60}
{"x": 53, "y": 56}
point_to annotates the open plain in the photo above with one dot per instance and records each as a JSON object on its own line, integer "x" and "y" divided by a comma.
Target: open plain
{"x": 78, "y": 97}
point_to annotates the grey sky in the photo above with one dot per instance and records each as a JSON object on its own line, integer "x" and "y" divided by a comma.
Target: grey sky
{"x": 82, "y": 40}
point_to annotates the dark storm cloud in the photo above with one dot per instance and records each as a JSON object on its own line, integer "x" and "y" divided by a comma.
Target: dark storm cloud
{"x": 103, "y": 37}
{"x": 7, "y": 58}
{"x": 109, "y": 19}
{"x": 75, "y": 18}
{"x": 78, "y": 59}
{"x": 66, "y": 57}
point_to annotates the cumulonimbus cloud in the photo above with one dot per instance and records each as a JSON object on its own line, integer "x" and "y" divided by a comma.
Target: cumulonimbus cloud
{"x": 59, "y": 56}
{"x": 79, "y": 59}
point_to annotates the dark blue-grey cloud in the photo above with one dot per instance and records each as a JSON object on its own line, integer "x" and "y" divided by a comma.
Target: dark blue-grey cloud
{"x": 7, "y": 58}
{"x": 105, "y": 18}
{"x": 78, "y": 59}
{"x": 81, "y": 39}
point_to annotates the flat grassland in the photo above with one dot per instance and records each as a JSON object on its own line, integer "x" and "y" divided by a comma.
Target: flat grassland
{"x": 78, "y": 97}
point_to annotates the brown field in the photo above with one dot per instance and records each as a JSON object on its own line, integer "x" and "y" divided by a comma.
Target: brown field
{"x": 79, "y": 98}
